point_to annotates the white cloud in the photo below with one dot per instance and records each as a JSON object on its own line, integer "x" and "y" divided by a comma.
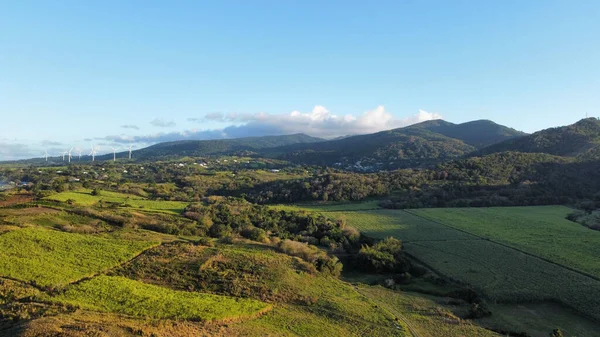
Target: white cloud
{"x": 322, "y": 123}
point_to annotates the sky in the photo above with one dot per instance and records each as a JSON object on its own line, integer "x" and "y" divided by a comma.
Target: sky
{"x": 118, "y": 73}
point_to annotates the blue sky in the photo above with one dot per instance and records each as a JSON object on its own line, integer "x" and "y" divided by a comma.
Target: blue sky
{"x": 77, "y": 73}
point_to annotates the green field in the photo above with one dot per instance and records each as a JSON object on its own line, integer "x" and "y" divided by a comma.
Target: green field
{"x": 125, "y": 296}
{"x": 306, "y": 304}
{"x": 542, "y": 231}
{"x": 85, "y": 198}
{"x": 426, "y": 317}
{"x": 502, "y": 273}
{"x": 52, "y": 258}
{"x": 331, "y": 206}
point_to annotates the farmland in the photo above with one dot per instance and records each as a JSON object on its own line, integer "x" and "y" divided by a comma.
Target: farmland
{"x": 542, "y": 231}
{"x": 463, "y": 252}
{"x": 52, "y": 258}
{"x": 85, "y": 198}
{"x": 125, "y": 296}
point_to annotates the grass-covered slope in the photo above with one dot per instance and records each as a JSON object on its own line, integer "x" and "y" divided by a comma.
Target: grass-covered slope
{"x": 305, "y": 302}
{"x": 53, "y": 258}
{"x": 84, "y": 197}
{"x": 125, "y": 296}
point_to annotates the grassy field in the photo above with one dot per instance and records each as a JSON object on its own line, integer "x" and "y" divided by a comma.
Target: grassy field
{"x": 331, "y": 206}
{"x": 53, "y": 258}
{"x": 125, "y": 296}
{"x": 542, "y": 231}
{"x": 534, "y": 318}
{"x": 85, "y": 198}
{"x": 426, "y": 315}
{"x": 501, "y": 273}
{"x": 306, "y": 304}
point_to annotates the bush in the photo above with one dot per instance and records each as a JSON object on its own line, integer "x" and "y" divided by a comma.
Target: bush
{"x": 384, "y": 257}
{"x": 228, "y": 240}
{"x": 204, "y": 241}
{"x": 254, "y": 234}
{"x": 323, "y": 262}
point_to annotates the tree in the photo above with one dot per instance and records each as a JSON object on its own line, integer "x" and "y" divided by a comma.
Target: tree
{"x": 95, "y": 192}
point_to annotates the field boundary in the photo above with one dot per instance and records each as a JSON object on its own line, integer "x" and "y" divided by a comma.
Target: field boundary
{"x": 593, "y": 277}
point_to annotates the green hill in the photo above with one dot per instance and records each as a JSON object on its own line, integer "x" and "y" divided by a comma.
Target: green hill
{"x": 479, "y": 133}
{"x": 413, "y": 146}
{"x": 195, "y": 148}
{"x": 575, "y": 140}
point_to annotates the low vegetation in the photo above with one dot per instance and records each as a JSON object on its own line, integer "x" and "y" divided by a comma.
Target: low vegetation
{"x": 125, "y": 296}
{"x": 50, "y": 258}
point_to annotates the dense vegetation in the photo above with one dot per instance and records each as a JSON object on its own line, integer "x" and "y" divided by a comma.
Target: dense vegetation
{"x": 576, "y": 140}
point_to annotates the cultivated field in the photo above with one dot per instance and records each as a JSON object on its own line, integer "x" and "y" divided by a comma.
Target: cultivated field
{"x": 125, "y": 296}
{"x": 502, "y": 273}
{"x": 53, "y": 258}
{"x": 85, "y": 198}
{"x": 542, "y": 231}
{"x": 426, "y": 316}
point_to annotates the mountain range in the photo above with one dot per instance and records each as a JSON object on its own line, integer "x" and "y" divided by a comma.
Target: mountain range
{"x": 419, "y": 145}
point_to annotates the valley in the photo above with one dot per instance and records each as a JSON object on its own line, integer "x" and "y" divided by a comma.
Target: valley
{"x": 230, "y": 244}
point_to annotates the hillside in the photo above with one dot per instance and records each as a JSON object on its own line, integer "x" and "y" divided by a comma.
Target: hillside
{"x": 479, "y": 133}
{"x": 193, "y": 148}
{"x": 576, "y": 140}
{"x": 413, "y": 146}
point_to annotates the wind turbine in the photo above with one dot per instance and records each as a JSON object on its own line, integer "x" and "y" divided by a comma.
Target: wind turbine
{"x": 130, "y": 146}
{"x": 114, "y": 153}
{"x": 46, "y": 155}
{"x": 70, "y": 154}
{"x": 93, "y": 153}
{"x": 79, "y": 151}
{"x": 64, "y": 153}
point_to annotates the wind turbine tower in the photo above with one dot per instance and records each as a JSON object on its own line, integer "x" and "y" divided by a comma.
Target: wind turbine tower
{"x": 93, "y": 153}
{"x": 64, "y": 153}
{"x": 46, "y": 155}
{"x": 130, "y": 146}
{"x": 114, "y": 153}
{"x": 70, "y": 154}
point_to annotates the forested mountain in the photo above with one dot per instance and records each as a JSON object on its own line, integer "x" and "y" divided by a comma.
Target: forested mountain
{"x": 417, "y": 145}
{"x": 382, "y": 150}
{"x": 479, "y": 133}
{"x": 193, "y": 148}
{"x": 581, "y": 139}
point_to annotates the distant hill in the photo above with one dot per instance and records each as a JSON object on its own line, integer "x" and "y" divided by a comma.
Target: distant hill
{"x": 581, "y": 139}
{"x": 199, "y": 148}
{"x": 413, "y": 146}
{"x": 479, "y": 133}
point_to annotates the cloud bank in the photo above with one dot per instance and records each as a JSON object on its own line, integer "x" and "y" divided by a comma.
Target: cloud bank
{"x": 319, "y": 122}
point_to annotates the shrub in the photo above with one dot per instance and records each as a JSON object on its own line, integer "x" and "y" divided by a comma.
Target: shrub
{"x": 384, "y": 257}
{"x": 254, "y": 234}
{"x": 324, "y": 263}
{"x": 228, "y": 240}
